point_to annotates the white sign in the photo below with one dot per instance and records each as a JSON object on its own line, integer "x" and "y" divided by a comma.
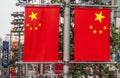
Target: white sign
{"x": 117, "y": 22}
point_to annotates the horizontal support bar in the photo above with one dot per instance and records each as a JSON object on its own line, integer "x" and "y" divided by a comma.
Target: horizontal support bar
{"x": 73, "y": 5}
{"x": 39, "y": 62}
{"x": 93, "y": 62}
{"x": 85, "y": 5}
{"x": 61, "y": 62}
{"x": 30, "y": 4}
{"x": 45, "y": 5}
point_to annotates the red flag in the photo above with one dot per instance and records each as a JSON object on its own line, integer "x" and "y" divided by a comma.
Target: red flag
{"x": 58, "y": 68}
{"x": 41, "y": 34}
{"x": 91, "y": 34}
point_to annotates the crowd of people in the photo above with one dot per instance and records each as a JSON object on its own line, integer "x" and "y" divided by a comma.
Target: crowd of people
{"x": 99, "y": 71}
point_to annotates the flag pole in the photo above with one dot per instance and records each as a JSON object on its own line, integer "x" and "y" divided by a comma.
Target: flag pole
{"x": 66, "y": 42}
{"x": 26, "y": 69}
{"x": 19, "y": 50}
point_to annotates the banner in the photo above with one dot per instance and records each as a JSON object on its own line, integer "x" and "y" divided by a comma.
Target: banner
{"x": 41, "y": 33}
{"x": 92, "y": 34}
{"x": 5, "y": 51}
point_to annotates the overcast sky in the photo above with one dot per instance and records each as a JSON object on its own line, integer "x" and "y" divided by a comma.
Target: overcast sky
{"x": 6, "y": 8}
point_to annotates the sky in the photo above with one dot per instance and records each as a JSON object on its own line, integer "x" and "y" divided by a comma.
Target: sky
{"x": 7, "y": 7}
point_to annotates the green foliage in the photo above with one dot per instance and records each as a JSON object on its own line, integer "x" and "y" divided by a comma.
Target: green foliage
{"x": 77, "y": 70}
{"x": 97, "y": 1}
{"x": 114, "y": 38}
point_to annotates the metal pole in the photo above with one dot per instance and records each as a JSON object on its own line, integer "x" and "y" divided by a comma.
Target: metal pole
{"x": 41, "y": 69}
{"x": 19, "y": 56}
{"x": 113, "y": 9}
{"x": 26, "y": 68}
{"x": 66, "y": 43}
{"x": 95, "y": 6}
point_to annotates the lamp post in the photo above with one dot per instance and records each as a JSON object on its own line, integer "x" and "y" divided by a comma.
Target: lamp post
{"x": 18, "y": 21}
{"x": 113, "y": 11}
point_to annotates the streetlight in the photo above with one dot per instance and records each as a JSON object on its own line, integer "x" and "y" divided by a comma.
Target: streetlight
{"x": 18, "y": 27}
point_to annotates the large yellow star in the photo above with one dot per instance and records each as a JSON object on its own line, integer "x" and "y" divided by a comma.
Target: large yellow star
{"x": 99, "y": 17}
{"x": 33, "y": 16}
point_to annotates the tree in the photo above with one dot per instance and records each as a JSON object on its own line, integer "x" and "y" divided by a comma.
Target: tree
{"x": 115, "y": 37}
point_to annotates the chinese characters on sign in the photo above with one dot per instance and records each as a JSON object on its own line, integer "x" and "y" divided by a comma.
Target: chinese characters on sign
{"x": 5, "y": 51}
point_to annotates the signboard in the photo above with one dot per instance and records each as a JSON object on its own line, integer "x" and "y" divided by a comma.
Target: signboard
{"x": 5, "y": 51}
{"x": 117, "y": 22}
{"x": 17, "y": 29}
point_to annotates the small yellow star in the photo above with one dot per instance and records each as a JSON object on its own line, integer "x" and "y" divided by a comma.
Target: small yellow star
{"x": 94, "y": 31}
{"x": 36, "y": 28}
{"x": 31, "y": 28}
{"x": 104, "y": 27}
{"x": 39, "y": 24}
{"x": 100, "y": 31}
{"x": 27, "y": 25}
{"x": 99, "y": 17}
{"x": 91, "y": 27}
{"x": 33, "y": 16}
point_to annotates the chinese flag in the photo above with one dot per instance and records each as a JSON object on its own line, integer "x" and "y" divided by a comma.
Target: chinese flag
{"x": 41, "y": 34}
{"x": 58, "y": 68}
{"x": 91, "y": 34}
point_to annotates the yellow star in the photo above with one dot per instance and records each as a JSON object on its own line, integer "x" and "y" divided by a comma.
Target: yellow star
{"x": 31, "y": 28}
{"x": 39, "y": 24}
{"x": 27, "y": 25}
{"x": 100, "y": 31}
{"x": 33, "y": 16}
{"x": 94, "y": 31}
{"x": 99, "y": 17}
{"x": 91, "y": 27}
{"x": 36, "y": 28}
{"x": 104, "y": 27}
